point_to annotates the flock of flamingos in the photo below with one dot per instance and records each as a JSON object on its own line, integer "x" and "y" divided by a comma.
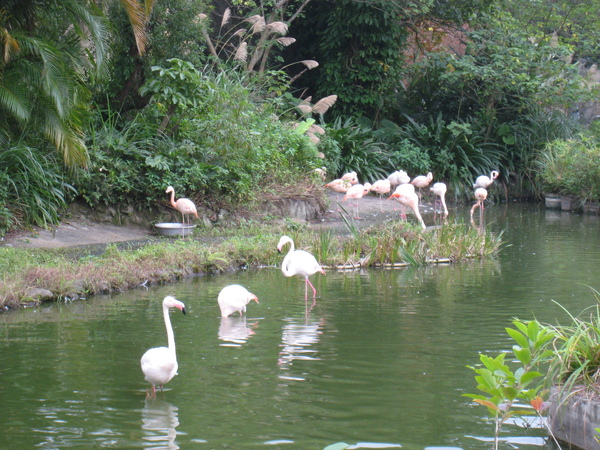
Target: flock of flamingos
{"x": 404, "y": 190}
{"x": 159, "y": 364}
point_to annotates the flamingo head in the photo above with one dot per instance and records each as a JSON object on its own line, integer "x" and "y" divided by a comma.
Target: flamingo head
{"x": 282, "y": 241}
{"x": 253, "y": 297}
{"x": 172, "y": 302}
{"x": 170, "y": 189}
{"x": 495, "y": 174}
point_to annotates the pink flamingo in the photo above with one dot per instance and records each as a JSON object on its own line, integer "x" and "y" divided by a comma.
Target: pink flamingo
{"x": 422, "y": 181}
{"x": 439, "y": 189}
{"x": 234, "y": 298}
{"x": 483, "y": 181}
{"x": 410, "y": 199}
{"x": 300, "y": 263}
{"x": 351, "y": 177}
{"x": 159, "y": 364}
{"x": 381, "y": 187}
{"x": 340, "y": 186}
{"x": 184, "y": 205}
{"x": 357, "y": 192}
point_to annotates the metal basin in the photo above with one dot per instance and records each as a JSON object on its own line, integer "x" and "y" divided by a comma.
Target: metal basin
{"x": 174, "y": 229}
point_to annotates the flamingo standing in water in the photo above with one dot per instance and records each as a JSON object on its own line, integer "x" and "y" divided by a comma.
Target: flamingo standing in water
{"x": 480, "y": 196}
{"x": 234, "y": 298}
{"x": 483, "y": 181}
{"x": 159, "y": 364}
{"x": 300, "y": 263}
{"x": 422, "y": 181}
{"x": 439, "y": 189}
{"x": 184, "y": 205}
{"x": 398, "y": 177}
{"x": 357, "y": 192}
{"x": 407, "y": 197}
{"x": 381, "y": 187}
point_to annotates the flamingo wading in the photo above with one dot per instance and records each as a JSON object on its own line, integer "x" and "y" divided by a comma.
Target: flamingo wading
{"x": 439, "y": 189}
{"x": 300, "y": 263}
{"x": 234, "y": 298}
{"x": 159, "y": 364}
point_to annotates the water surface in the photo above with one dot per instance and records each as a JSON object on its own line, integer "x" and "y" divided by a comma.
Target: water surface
{"x": 379, "y": 361}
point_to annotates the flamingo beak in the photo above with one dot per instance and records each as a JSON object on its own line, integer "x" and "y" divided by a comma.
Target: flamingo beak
{"x": 183, "y": 311}
{"x": 255, "y": 298}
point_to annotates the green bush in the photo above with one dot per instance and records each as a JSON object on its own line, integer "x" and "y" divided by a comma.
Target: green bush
{"x": 571, "y": 167}
{"x": 227, "y": 146}
{"x": 34, "y": 190}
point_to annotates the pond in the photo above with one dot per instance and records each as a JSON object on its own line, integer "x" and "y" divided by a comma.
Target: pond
{"x": 378, "y": 362}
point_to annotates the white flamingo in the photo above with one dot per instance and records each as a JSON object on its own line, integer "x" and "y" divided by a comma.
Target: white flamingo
{"x": 483, "y": 181}
{"x": 439, "y": 189}
{"x": 398, "y": 177}
{"x": 480, "y": 196}
{"x": 300, "y": 263}
{"x": 159, "y": 364}
{"x": 234, "y": 298}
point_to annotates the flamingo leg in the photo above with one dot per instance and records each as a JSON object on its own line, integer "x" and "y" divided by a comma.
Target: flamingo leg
{"x": 308, "y": 283}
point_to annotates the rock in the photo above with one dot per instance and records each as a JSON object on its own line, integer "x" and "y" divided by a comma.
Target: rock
{"x": 39, "y": 294}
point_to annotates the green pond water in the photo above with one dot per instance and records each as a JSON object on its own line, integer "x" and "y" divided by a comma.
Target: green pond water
{"x": 379, "y": 361}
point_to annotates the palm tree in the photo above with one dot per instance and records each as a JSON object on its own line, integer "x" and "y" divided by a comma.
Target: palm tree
{"x": 50, "y": 50}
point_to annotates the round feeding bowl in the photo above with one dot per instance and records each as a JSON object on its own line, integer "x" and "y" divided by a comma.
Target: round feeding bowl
{"x": 174, "y": 229}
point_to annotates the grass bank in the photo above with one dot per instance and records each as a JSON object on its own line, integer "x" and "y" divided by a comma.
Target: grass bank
{"x": 35, "y": 275}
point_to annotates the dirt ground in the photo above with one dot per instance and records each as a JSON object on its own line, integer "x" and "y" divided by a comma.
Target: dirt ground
{"x": 81, "y": 232}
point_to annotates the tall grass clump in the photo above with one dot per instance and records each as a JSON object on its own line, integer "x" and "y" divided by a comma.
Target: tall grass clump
{"x": 34, "y": 187}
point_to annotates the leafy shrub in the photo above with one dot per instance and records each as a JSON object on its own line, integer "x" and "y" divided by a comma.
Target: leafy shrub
{"x": 357, "y": 149}
{"x": 227, "y": 146}
{"x": 33, "y": 189}
{"x": 571, "y": 167}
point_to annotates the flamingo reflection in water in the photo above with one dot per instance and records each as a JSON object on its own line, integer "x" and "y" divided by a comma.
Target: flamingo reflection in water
{"x": 297, "y": 344}
{"x": 234, "y": 332}
{"x": 160, "y": 422}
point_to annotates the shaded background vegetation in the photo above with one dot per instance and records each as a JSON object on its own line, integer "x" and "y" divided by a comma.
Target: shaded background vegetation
{"x": 108, "y": 103}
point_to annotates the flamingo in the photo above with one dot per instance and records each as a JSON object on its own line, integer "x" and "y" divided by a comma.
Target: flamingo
{"x": 483, "y": 181}
{"x": 340, "y": 186}
{"x": 299, "y": 262}
{"x": 184, "y": 205}
{"x": 234, "y": 298}
{"x": 398, "y": 177}
{"x": 439, "y": 189}
{"x": 357, "y": 192}
{"x": 351, "y": 177}
{"x": 159, "y": 364}
{"x": 381, "y": 187}
{"x": 408, "y": 198}
{"x": 422, "y": 181}
{"x": 480, "y": 196}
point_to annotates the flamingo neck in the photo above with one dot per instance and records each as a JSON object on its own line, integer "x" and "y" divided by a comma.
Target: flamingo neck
{"x": 284, "y": 266}
{"x": 170, "y": 335}
{"x": 173, "y": 198}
